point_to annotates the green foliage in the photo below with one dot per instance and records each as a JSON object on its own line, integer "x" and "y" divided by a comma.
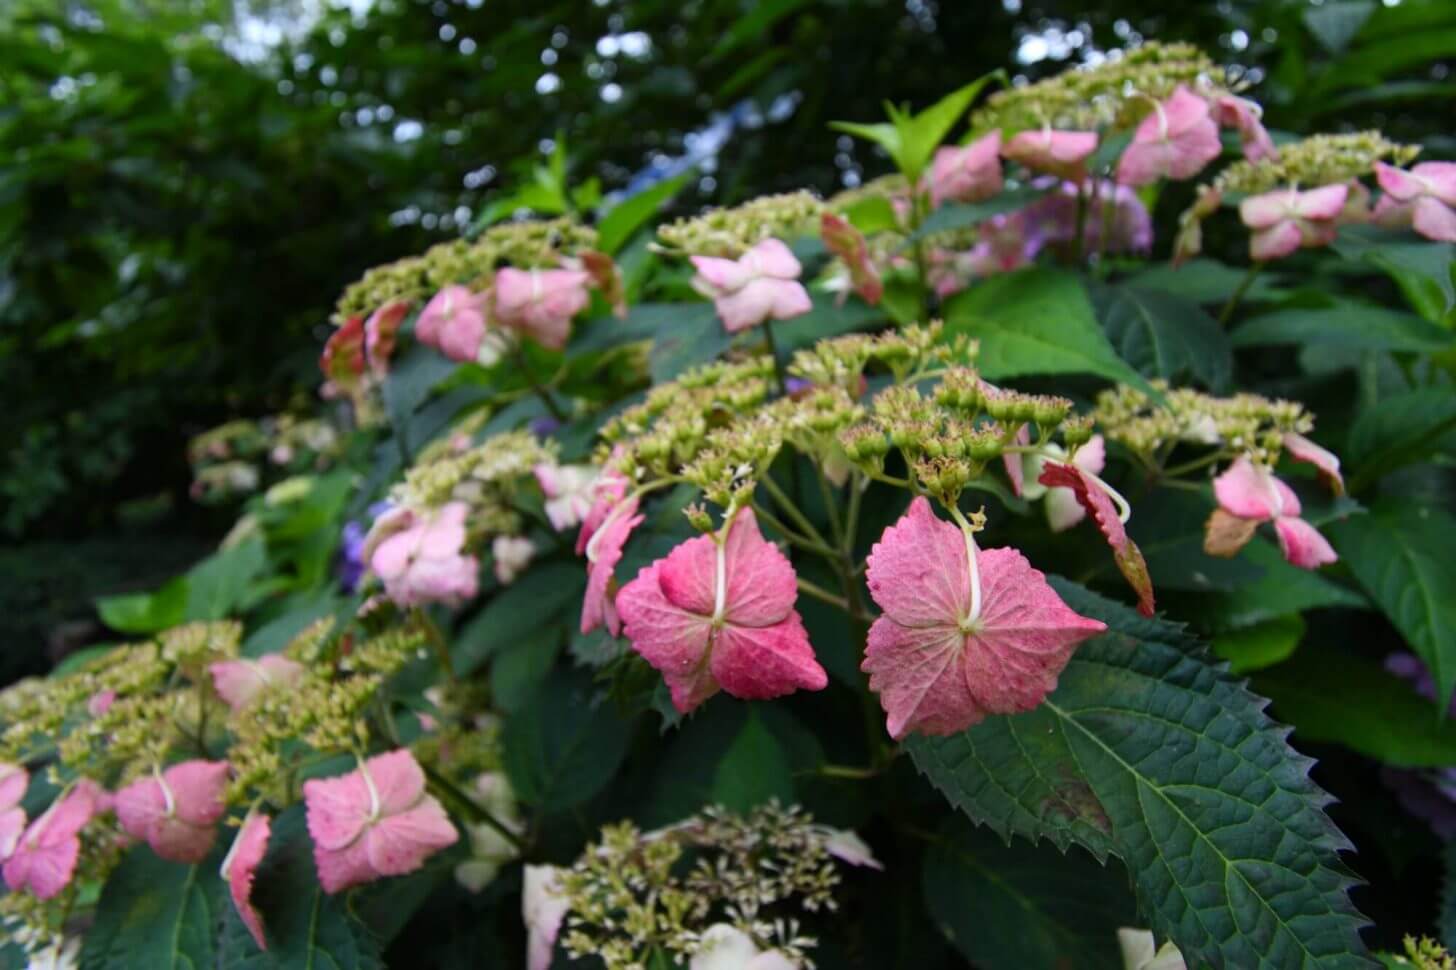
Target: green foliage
{"x": 564, "y": 748}
{"x": 1344, "y": 324}
{"x": 1166, "y": 335}
{"x": 155, "y": 913}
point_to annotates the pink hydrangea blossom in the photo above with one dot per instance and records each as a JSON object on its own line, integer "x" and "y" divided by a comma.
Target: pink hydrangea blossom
{"x": 1093, "y": 495}
{"x": 381, "y": 331}
{"x": 711, "y": 616}
{"x": 1286, "y": 220}
{"x": 512, "y": 554}
{"x": 1063, "y": 510}
{"x": 965, "y": 633}
{"x": 375, "y": 821}
{"x": 241, "y": 865}
{"x": 1232, "y": 111}
{"x": 848, "y": 243}
{"x": 543, "y": 909}
{"x": 607, "y": 492}
{"x": 569, "y": 491}
{"x": 969, "y": 173}
{"x": 1252, "y": 492}
{"x": 45, "y": 858}
{"x": 846, "y": 846}
{"x": 540, "y": 303}
{"x": 1175, "y": 141}
{"x": 424, "y": 563}
{"x": 100, "y": 702}
{"x": 1326, "y": 462}
{"x": 455, "y": 321}
{"x": 176, "y": 811}
{"x": 760, "y": 285}
{"x": 723, "y": 946}
{"x": 1115, "y": 220}
{"x": 13, "y": 781}
{"x": 603, "y": 552}
{"x": 239, "y": 682}
{"x": 1059, "y": 153}
{"x": 1427, "y": 192}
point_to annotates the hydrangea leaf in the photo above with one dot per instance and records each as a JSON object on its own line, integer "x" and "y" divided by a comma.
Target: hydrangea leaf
{"x": 565, "y": 745}
{"x": 1165, "y": 334}
{"x": 1150, "y": 752}
{"x": 156, "y": 914}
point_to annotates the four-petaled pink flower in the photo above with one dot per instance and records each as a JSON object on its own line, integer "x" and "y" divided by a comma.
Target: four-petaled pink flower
{"x": 1326, "y": 462}
{"x": 176, "y": 811}
{"x": 423, "y": 562}
{"x": 1232, "y": 111}
{"x": 1426, "y": 195}
{"x": 543, "y": 910}
{"x": 541, "y": 302}
{"x": 1286, "y": 220}
{"x": 761, "y": 284}
{"x": 241, "y": 865}
{"x": 711, "y": 616}
{"x": 239, "y": 682}
{"x": 966, "y": 633}
{"x": 569, "y": 491}
{"x": 13, "y": 781}
{"x": 1063, "y": 509}
{"x": 1059, "y": 153}
{"x": 1174, "y": 142}
{"x": 1093, "y": 495}
{"x": 455, "y": 321}
{"x": 967, "y": 174}
{"x": 45, "y": 858}
{"x": 375, "y": 821}
{"x": 845, "y": 241}
{"x": 1251, "y": 492}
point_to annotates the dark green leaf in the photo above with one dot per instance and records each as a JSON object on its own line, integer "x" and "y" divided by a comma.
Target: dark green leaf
{"x": 1344, "y": 325}
{"x": 1024, "y": 907}
{"x": 1335, "y": 23}
{"x": 1421, "y": 268}
{"x": 1448, "y": 897}
{"x": 693, "y": 336}
{"x": 753, "y": 770}
{"x": 565, "y": 746}
{"x": 1148, "y": 752}
{"x": 1279, "y": 589}
{"x": 551, "y": 591}
{"x": 522, "y": 665}
{"x": 1401, "y": 553}
{"x": 156, "y": 914}
{"x": 1261, "y": 644}
{"x": 409, "y": 384}
{"x": 826, "y": 319}
{"x": 633, "y": 212}
{"x": 1203, "y": 281}
{"x": 962, "y": 215}
{"x": 1400, "y": 430}
{"x": 145, "y": 612}
{"x": 1166, "y": 335}
{"x": 219, "y": 584}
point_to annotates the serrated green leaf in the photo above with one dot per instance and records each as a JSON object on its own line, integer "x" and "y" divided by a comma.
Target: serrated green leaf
{"x": 156, "y": 914}
{"x": 549, "y": 591}
{"x": 1148, "y": 752}
{"x": 1035, "y": 321}
{"x": 633, "y": 212}
{"x": 1280, "y": 589}
{"x": 1024, "y": 907}
{"x": 1398, "y": 431}
{"x": 563, "y": 747}
{"x": 1421, "y": 268}
{"x": 1331, "y": 694}
{"x": 1166, "y": 335}
{"x": 1344, "y": 325}
{"x": 219, "y": 584}
{"x": 1261, "y": 644}
{"x": 145, "y": 612}
{"x": 1205, "y": 281}
{"x": 1401, "y": 554}
{"x": 922, "y": 133}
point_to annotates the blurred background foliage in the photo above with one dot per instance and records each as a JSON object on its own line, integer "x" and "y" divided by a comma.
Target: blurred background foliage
{"x": 186, "y": 185}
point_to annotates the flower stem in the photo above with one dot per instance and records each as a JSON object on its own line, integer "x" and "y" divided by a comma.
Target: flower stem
{"x": 437, "y": 641}
{"x": 792, "y": 510}
{"x": 1227, "y": 312}
{"x": 464, "y": 805}
{"x": 773, "y": 349}
{"x": 536, "y": 386}
{"x": 793, "y": 538}
{"x": 822, "y": 594}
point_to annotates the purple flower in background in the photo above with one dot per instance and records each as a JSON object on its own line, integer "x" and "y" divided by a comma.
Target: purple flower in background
{"x": 351, "y": 556}
{"x": 1428, "y": 795}
{"x": 544, "y": 426}
{"x": 1113, "y": 208}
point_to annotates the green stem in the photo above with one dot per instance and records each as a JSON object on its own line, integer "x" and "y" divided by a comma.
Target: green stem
{"x": 830, "y": 504}
{"x": 773, "y": 349}
{"x": 823, "y": 595}
{"x": 1227, "y": 312}
{"x": 464, "y": 805}
{"x": 851, "y": 517}
{"x": 792, "y": 510}
{"x": 540, "y": 391}
{"x": 437, "y": 641}
{"x": 1193, "y": 466}
{"x": 791, "y": 537}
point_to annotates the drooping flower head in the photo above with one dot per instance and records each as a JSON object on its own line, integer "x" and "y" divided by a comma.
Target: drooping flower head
{"x": 1174, "y": 142}
{"x": 1063, "y": 510}
{"x": 569, "y": 491}
{"x": 381, "y": 331}
{"x": 1232, "y": 111}
{"x": 1111, "y": 515}
{"x": 375, "y": 821}
{"x": 718, "y": 613}
{"x": 967, "y": 174}
{"x": 845, "y": 241}
{"x": 1326, "y": 462}
{"x": 423, "y": 562}
{"x": 239, "y": 682}
{"x": 176, "y": 811}
{"x": 1286, "y": 220}
{"x": 603, "y": 550}
{"x": 1059, "y": 153}
{"x": 540, "y": 303}
{"x": 760, "y": 285}
{"x": 1251, "y": 492}
{"x": 1425, "y": 196}
{"x": 239, "y": 868}
{"x": 543, "y": 909}
{"x": 455, "y": 321}
{"x": 966, "y": 633}
{"x": 13, "y": 781}
{"x": 45, "y": 858}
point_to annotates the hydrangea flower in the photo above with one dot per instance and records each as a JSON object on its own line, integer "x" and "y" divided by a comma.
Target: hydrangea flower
{"x": 965, "y": 633}
{"x": 760, "y": 285}
{"x": 1059, "y": 153}
{"x": 13, "y": 781}
{"x": 45, "y": 858}
{"x": 714, "y": 615}
{"x": 1232, "y": 111}
{"x": 1426, "y": 196}
{"x": 541, "y": 302}
{"x": 1113, "y": 209}
{"x": 421, "y": 560}
{"x": 176, "y": 811}
{"x": 489, "y": 848}
{"x": 543, "y": 909}
{"x": 239, "y": 682}
{"x": 512, "y": 554}
{"x": 969, "y": 173}
{"x": 726, "y": 947}
{"x": 1063, "y": 510}
{"x": 1252, "y": 493}
{"x": 375, "y": 821}
{"x": 1287, "y": 220}
{"x": 381, "y": 331}
{"x": 569, "y": 491}
{"x": 1325, "y": 461}
{"x": 1141, "y": 952}
{"x": 1095, "y": 497}
{"x": 1174, "y": 142}
{"x": 605, "y": 540}
{"x": 241, "y": 865}
{"x": 455, "y": 321}
{"x": 845, "y": 241}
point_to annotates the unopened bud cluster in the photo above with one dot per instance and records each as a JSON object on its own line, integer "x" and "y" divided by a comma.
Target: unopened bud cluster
{"x": 1241, "y": 424}
{"x": 1314, "y": 161}
{"x": 731, "y": 232}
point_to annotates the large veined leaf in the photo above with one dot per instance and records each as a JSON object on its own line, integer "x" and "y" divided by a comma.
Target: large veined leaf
{"x": 1345, "y": 325}
{"x": 565, "y": 746}
{"x": 1399, "y": 430}
{"x": 1401, "y": 553}
{"x": 156, "y": 914}
{"x": 1150, "y": 752}
{"x": 408, "y": 386}
{"x": 1164, "y": 334}
{"x": 543, "y": 595}
{"x": 1421, "y": 268}
{"x": 1205, "y": 281}
{"x": 1035, "y": 321}
{"x": 1024, "y": 907}
{"x": 629, "y": 215}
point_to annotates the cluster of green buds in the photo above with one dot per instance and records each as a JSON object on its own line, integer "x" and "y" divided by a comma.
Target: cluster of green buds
{"x": 1242, "y": 424}
{"x": 635, "y": 893}
{"x": 907, "y": 354}
{"x": 1115, "y": 93}
{"x": 1312, "y": 161}
{"x": 541, "y": 243}
{"x": 1423, "y": 954}
{"x": 731, "y": 232}
{"x": 488, "y": 476}
{"x": 236, "y": 458}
